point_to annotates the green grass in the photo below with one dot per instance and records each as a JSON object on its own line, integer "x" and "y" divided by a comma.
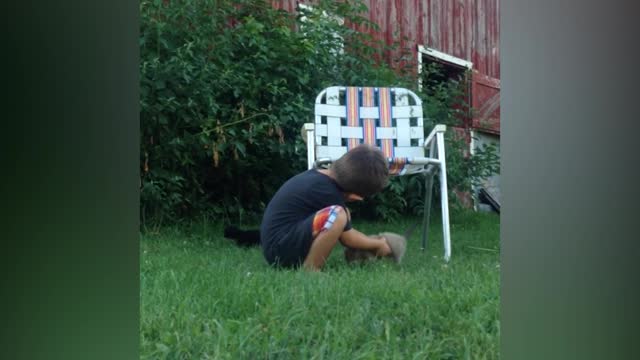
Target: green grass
{"x": 204, "y": 298}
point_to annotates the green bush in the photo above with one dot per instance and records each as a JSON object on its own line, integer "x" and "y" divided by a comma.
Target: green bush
{"x": 225, "y": 87}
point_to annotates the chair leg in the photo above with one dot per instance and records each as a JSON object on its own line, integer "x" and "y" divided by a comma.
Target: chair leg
{"x": 444, "y": 197}
{"x": 428, "y": 188}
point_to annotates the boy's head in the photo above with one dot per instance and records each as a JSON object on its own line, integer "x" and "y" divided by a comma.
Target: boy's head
{"x": 363, "y": 170}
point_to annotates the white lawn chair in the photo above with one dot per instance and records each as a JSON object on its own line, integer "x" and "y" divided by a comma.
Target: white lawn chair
{"x": 391, "y": 119}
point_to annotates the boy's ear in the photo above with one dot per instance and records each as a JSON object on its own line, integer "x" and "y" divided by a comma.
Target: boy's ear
{"x": 353, "y": 197}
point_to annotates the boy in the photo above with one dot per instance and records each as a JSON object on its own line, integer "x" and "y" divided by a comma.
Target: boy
{"x": 307, "y": 216}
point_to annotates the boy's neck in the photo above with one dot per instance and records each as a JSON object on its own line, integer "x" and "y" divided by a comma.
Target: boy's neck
{"x": 327, "y": 172}
{"x": 347, "y": 196}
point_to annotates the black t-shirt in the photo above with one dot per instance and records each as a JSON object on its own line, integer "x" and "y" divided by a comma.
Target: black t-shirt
{"x": 292, "y": 208}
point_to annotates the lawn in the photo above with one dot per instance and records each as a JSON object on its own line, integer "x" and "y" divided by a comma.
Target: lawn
{"x": 204, "y": 298}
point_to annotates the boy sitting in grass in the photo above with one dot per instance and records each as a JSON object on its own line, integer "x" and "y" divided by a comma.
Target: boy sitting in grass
{"x": 307, "y": 216}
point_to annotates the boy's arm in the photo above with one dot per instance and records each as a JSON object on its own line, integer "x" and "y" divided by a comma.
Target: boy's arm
{"x": 355, "y": 239}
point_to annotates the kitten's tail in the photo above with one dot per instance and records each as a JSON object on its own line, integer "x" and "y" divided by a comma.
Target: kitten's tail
{"x": 245, "y": 238}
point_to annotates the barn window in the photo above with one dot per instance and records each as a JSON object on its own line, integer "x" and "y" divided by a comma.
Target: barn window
{"x": 437, "y": 71}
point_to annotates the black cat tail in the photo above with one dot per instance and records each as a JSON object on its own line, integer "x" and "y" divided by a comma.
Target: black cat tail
{"x": 244, "y": 238}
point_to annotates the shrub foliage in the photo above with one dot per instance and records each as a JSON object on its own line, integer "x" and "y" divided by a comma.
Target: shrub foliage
{"x": 225, "y": 87}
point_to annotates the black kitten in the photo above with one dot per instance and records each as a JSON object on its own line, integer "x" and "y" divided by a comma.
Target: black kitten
{"x": 244, "y": 238}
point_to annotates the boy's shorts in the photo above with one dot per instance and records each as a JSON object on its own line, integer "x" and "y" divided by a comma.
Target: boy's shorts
{"x": 293, "y": 247}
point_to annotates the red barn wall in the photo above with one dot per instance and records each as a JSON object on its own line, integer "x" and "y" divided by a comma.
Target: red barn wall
{"x": 466, "y": 29}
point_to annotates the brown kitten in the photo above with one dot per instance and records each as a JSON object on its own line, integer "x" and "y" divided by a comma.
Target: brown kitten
{"x": 396, "y": 242}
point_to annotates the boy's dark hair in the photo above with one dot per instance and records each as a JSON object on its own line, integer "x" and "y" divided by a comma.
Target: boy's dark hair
{"x": 363, "y": 170}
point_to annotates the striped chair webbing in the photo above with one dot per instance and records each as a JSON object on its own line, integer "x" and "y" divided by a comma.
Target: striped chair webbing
{"x": 367, "y": 94}
{"x": 369, "y": 125}
{"x": 384, "y": 106}
{"x": 396, "y": 165}
{"x": 353, "y": 114}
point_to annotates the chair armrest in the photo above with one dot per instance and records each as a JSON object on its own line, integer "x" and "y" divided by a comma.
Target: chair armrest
{"x": 436, "y": 129}
{"x": 322, "y": 163}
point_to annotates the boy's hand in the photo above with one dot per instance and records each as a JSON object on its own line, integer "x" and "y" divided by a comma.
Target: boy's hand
{"x": 383, "y": 249}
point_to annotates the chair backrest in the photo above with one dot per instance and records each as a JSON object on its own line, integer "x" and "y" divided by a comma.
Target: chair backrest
{"x": 389, "y": 118}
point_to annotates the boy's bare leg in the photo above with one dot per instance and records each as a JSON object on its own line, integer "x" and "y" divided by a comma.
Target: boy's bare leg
{"x": 357, "y": 240}
{"x": 324, "y": 242}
